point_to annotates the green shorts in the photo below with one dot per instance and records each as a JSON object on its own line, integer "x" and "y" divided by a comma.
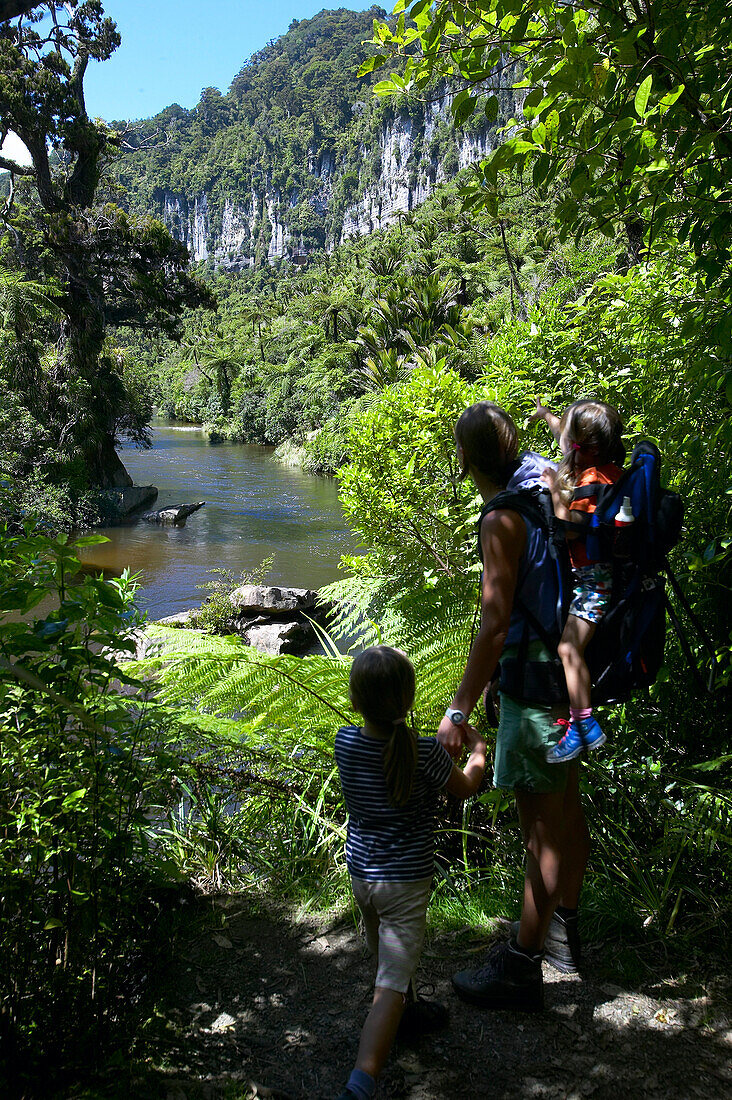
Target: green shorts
{"x": 525, "y": 732}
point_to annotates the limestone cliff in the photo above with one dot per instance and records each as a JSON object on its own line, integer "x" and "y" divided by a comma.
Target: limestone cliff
{"x": 299, "y": 155}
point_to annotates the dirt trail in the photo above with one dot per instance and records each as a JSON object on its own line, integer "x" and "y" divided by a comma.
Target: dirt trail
{"x": 259, "y": 1004}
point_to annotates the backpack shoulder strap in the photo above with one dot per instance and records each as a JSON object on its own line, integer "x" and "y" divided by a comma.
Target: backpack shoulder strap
{"x": 529, "y": 503}
{"x": 536, "y": 506}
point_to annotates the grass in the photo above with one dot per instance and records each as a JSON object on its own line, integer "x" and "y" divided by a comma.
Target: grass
{"x": 474, "y": 901}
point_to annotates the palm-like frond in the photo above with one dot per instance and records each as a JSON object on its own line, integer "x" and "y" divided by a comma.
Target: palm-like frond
{"x": 286, "y": 707}
{"x": 290, "y": 704}
{"x": 23, "y": 301}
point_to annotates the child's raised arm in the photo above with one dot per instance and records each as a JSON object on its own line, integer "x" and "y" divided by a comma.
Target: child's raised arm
{"x": 541, "y": 412}
{"x": 463, "y": 783}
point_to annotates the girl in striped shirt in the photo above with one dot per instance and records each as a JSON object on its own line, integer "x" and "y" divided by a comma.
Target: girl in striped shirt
{"x": 391, "y": 781}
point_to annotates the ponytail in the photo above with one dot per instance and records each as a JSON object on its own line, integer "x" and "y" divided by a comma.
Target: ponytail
{"x": 594, "y": 432}
{"x": 400, "y": 762}
{"x": 382, "y": 689}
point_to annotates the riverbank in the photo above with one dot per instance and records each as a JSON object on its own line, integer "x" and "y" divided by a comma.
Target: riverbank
{"x": 256, "y": 510}
{"x": 273, "y": 619}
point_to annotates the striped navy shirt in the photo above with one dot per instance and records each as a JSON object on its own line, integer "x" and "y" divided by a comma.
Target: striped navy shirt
{"x": 389, "y": 843}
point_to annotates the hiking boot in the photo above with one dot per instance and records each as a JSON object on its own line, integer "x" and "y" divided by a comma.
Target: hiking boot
{"x": 420, "y": 1018}
{"x": 508, "y": 979}
{"x": 562, "y": 946}
{"x": 583, "y": 733}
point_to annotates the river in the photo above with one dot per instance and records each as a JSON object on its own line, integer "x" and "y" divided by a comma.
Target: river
{"x": 255, "y": 508}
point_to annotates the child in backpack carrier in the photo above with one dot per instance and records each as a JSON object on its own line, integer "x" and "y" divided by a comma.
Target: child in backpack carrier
{"x": 589, "y": 434}
{"x": 391, "y": 781}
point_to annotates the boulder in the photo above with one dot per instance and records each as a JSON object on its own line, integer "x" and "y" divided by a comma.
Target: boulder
{"x": 175, "y": 516}
{"x": 117, "y": 504}
{"x": 181, "y": 619}
{"x": 284, "y": 636}
{"x": 259, "y": 599}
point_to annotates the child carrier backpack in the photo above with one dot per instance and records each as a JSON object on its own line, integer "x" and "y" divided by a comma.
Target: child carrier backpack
{"x": 626, "y": 651}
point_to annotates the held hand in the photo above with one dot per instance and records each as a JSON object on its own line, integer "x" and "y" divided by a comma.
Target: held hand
{"x": 549, "y": 476}
{"x": 451, "y": 736}
{"x": 474, "y": 741}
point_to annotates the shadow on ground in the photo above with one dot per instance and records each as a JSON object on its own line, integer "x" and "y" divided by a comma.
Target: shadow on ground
{"x": 260, "y": 1004}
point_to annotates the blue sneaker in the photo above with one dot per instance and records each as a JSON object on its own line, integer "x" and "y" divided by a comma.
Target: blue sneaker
{"x": 585, "y": 733}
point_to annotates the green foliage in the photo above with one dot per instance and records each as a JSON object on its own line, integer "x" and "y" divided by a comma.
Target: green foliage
{"x": 400, "y": 491}
{"x": 626, "y": 100}
{"x": 82, "y": 763}
{"x": 216, "y": 613}
{"x": 281, "y": 785}
{"x": 64, "y": 232}
{"x": 290, "y": 351}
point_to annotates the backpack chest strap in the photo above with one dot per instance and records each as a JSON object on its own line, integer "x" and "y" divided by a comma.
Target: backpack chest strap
{"x": 584, "y": 492}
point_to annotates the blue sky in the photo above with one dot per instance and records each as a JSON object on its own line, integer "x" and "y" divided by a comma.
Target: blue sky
{"x": 171, "y": 49}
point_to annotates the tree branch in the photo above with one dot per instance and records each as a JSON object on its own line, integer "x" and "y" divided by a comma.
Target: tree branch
{"x": 16, "y": 169}
{"x": 10, "y": 8}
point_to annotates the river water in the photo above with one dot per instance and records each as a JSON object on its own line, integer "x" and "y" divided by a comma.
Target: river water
{"x": 255, "y": 508}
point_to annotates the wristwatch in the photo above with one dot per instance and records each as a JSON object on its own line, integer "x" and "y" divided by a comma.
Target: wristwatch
{"x": 456, "y": 716}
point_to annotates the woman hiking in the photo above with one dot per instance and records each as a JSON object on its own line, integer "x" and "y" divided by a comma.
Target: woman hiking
{"x": 518, "y": 585}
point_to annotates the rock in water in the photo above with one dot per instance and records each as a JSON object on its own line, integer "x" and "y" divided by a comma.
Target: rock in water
{"x": 118, "y": 504}
{"x": 175, "y": 516}
{"x": 259, "y": 599}
{"x": 278, "y": 637}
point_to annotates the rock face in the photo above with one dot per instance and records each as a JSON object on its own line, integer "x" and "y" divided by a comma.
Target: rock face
{"x": 175, "y": 516}
{"x": 395, "y": 172}
{"x": 411, "y": 167}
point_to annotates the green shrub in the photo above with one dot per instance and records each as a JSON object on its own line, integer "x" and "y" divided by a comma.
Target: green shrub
{"x": 86, "y": 763}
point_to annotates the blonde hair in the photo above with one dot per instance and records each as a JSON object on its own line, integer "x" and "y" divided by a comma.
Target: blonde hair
{"x": 595, "y": 432}
{"x": 382, "y": 689}
{"x": 489, "y": 441}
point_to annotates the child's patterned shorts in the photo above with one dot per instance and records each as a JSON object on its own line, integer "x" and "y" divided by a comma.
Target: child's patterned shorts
{"x": 592, "y": 590}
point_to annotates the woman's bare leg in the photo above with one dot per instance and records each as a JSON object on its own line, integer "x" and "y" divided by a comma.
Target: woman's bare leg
{"x": 541, "y": 817}
{"x": 576, "y": 849}
{"x": 557, "y": 848}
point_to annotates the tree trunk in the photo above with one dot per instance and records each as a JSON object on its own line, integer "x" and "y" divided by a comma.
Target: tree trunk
{"x": 94, "y": 429}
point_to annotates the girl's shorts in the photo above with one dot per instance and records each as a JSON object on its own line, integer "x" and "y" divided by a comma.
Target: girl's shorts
{"x": 394, "y": 917}
{"x": 593, "y": 585}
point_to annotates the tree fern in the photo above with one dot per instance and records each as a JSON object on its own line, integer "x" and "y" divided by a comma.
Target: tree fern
{"x": 294, "y": 704}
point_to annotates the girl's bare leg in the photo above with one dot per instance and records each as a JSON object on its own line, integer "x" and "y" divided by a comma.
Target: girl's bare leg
{"x": 571, "y": 649}
{"x": 379, "y": 1030}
